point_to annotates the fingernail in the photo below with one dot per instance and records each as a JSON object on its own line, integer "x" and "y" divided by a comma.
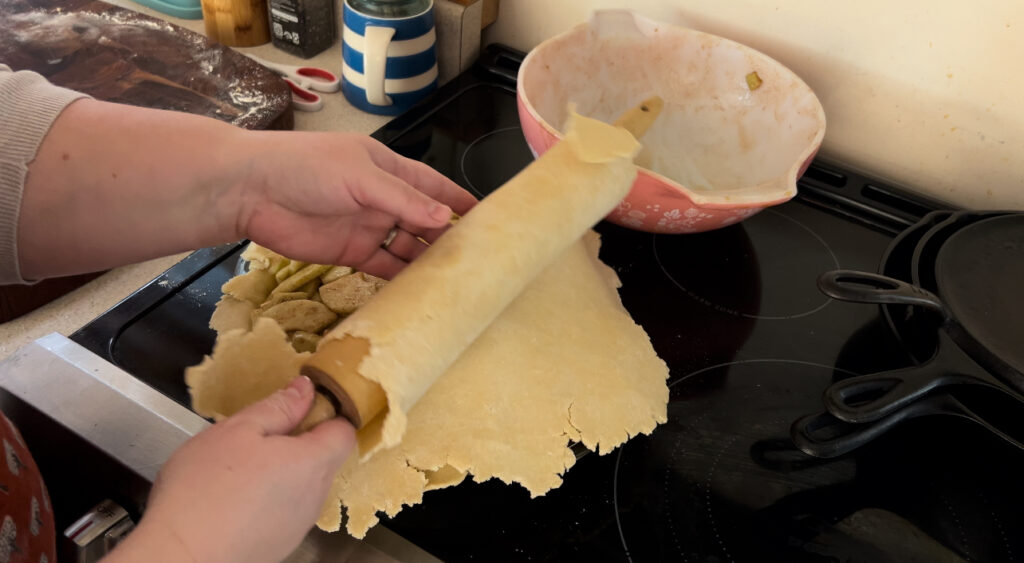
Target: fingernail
{"x": 441, "y": 213}
{"x": 296, "y": 387}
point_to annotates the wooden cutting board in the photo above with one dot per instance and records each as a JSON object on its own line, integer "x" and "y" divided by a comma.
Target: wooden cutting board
{"x": 122, "y": 56}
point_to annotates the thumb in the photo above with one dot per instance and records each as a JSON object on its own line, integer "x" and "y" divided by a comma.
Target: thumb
{"x": 281, "y": 412}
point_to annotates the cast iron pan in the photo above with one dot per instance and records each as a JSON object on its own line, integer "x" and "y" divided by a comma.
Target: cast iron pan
{"x": 978, "y": 273}
{"x": 823, "y": 435}
{"x": 926, "y": 252}
{"x": 912, "y": 327}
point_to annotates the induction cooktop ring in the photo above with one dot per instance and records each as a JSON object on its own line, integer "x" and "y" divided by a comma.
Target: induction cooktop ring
{"x": 474, "y": 145}
{"x": 808, "y": 301}
{"x": 718, "y": 455}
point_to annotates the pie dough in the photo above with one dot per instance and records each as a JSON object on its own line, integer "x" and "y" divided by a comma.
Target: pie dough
{"x": 563, "y": 362}
{"x": 244, "y": 368}
{"x": 421, "y": 322}
{"x": 559, "y": 361}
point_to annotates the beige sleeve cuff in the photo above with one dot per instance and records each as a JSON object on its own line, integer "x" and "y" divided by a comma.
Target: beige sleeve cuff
{"x": 28, "y": 106}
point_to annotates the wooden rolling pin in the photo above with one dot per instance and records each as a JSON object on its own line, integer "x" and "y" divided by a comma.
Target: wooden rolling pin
{"x": 638, "y": 119}
{"x": 334, "y": 368}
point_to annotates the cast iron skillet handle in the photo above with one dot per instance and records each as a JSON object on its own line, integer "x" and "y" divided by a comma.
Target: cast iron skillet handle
{"x": 865, "y": 287}
{"x": 823, "y": 435}
{"x": 867, "y": 398}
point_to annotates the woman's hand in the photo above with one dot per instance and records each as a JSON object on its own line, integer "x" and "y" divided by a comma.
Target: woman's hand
{"x": 242, "y": 490}
{"x": 335, "y": 198}
{"x": 114, "y": 184}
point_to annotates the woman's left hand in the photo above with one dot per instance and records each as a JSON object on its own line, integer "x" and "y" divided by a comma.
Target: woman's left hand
{"x": 334, "y": 198}
{"x": 114, "y": 184}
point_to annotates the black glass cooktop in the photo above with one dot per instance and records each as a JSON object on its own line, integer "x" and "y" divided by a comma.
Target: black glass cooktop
{"x": 751, "y": 344}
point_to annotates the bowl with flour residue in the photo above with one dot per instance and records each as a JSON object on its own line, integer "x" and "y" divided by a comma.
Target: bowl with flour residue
{"x": 736, "y": 132}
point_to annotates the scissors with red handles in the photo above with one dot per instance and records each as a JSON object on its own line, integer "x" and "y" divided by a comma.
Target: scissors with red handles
{"x": 303, "y": 80}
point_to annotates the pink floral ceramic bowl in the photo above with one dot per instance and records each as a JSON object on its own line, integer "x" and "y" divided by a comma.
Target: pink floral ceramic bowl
{"x": 737, "y": 130}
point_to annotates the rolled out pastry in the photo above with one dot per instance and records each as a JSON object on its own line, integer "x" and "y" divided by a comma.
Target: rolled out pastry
{"x": 420, "y": 323}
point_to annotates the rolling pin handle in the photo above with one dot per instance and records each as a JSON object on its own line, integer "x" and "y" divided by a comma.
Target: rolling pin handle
{"x": 334, "y": 371}
{"x": 335, "y": 403}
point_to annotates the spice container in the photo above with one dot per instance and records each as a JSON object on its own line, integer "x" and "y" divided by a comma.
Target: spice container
{"x": 236, "y": 23}
{"x": 302, "y": 27}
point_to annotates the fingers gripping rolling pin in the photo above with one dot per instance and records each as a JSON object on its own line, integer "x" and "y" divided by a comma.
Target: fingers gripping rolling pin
{"x": 416, "y": 327}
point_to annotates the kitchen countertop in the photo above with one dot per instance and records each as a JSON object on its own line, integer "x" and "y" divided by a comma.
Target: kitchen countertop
{"x": 70, "y": 312}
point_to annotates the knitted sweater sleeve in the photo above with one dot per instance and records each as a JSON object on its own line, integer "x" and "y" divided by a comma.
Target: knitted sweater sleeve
{"x": 28, "y": 107}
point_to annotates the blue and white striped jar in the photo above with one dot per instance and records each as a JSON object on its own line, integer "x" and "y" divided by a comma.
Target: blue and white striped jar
{"x": 389, "y": 63}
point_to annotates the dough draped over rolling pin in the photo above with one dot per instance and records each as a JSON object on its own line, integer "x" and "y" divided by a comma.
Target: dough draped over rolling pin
{"x": 562, "y": 362}
{"x": 420, "y": 323}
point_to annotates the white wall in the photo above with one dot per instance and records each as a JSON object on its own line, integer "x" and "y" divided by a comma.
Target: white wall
{"x": 927, "y": 94}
